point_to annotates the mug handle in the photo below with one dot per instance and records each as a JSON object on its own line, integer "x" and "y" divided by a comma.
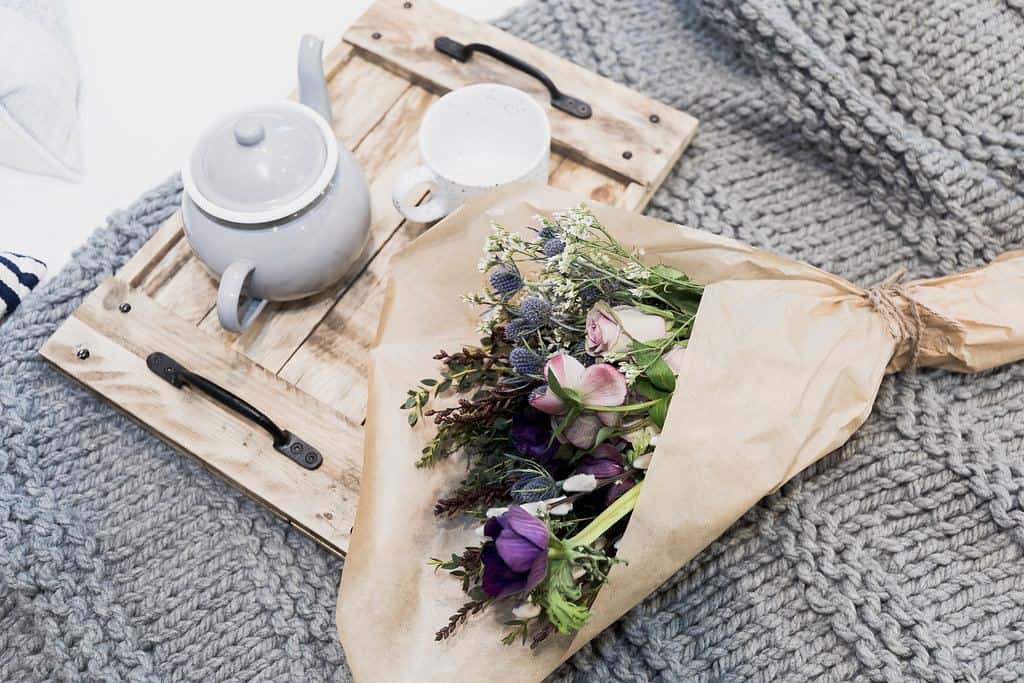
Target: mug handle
{"x": 232, "y": 316}
{"x": 434, "y": 209}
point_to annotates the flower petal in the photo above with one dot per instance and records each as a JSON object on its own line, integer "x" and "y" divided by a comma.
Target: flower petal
{"x": 518, "y": 552}
{"x": 602, "y": 468}
{"x": 582, "y": 432}
{"x": 568, "y": 371}
{"x": 493, "y": 528}
{"x": 640, "y": 326}
{"x": 546, "y": 401}
{"x": 538, "y": 571}
{"x": 498, "y": 579}
{"x": 526, "y": 525}
{"x": 602, "y": 385}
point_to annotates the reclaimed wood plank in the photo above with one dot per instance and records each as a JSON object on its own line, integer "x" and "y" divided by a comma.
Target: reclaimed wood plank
{"x": 153, "y": 251}
{"x": 629, "y": 135}
{"x": 585, "y": 181}
{"x": 323, "y": 501}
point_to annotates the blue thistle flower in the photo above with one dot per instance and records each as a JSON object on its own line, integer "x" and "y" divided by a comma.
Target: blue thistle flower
{"x": 504, "y": 280}
{"x": 535, "y": 309}
{"x": 590, "y": 295}
{"x": 524, "y": 361}
{"x": 517, "y": 328}
{"x": 547, "y": 232}
{"x": 552, "y": 247}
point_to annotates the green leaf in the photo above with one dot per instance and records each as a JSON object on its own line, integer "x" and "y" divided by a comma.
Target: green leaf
{"x": 428, "y": 382}
{"x": 603, "y": 434}
{"x": 659, "y": 411}
{"x": 669, "y": 273}
{"x": 643, "y": 386}
{"x": 558, "y": 596}
{"x": 570, "y": 396}
{"x": 661, "y": 375}
{"x": 640, "y": 445}
{"x": 413, "y": 419}
{"x": 573, "y": 413}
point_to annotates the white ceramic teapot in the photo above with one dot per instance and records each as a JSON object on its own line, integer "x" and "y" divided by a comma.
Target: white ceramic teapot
{"x": 274, "y": 206}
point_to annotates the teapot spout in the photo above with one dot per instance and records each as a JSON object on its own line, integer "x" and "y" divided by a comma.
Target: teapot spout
{"x": 312, "y": 82}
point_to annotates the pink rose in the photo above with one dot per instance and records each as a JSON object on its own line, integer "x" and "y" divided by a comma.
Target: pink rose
{"x": 599, "y": 385}
{"x": 613, "y": 330}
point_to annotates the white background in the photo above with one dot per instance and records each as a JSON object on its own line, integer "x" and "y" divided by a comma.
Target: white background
{"x": 153, "y": 75}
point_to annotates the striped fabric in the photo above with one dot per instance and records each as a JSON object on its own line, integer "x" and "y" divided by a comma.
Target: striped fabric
{"x": 18, "y": 276}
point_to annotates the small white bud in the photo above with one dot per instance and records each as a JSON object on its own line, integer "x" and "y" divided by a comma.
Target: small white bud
{"x": 536, "y": 508}
{"x": 526, "y": 610}
{"x": 561, "y": 509}
{"x": 642, "y": 462}
{"x": 496, "y": 512}
{"x": 580, "y": 483}
{"x": 578, "y": 573}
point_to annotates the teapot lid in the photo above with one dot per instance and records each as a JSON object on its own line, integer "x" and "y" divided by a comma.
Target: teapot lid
{"x": 261, "y": 164}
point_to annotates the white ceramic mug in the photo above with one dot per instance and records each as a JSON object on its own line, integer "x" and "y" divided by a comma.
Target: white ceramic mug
{"x": 472, "y": 140}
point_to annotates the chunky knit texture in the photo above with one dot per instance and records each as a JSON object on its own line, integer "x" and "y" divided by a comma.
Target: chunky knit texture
{"x": 859, "y": 136}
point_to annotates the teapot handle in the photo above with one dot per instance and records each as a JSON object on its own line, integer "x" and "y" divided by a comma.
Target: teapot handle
{"x": 234, "y": 314}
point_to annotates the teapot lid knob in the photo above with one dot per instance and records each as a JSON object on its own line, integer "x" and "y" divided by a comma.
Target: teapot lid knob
{"x": 249, "y": 132}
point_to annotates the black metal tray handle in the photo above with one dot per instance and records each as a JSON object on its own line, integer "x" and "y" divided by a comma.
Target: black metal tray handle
{"x": 285, "y": 442}
{"x": 559, "y": 100}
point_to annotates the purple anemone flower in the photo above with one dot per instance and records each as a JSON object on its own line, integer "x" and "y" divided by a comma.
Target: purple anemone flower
{"x": 517, "y": 559}
{"x": 531, "y": 435}
{"x": 603, "y": 463}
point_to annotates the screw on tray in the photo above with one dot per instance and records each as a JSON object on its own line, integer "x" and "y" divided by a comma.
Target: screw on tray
{"x": 375, "y": 35}
{"x": 654, "y": 118}
{"x": 125, "y": 307}
{"x": 627, "y": 154}
{"x": 82, "y": 353}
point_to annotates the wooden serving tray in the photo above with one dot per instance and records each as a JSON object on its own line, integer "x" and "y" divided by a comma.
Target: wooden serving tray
{"x": 304, "y": 363}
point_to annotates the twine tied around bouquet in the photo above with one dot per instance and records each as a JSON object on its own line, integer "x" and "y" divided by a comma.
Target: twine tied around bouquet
{"x": 906, "y": 324}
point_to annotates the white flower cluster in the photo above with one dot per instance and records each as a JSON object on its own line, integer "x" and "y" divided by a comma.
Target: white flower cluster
{"x": 576, "y": 222}
{"x": 487, "y": 321}
{"x": 631, "y": 371}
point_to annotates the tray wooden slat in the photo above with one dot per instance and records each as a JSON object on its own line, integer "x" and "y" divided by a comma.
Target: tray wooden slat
{"x": 304, "y": 363}
{"x": 402, "y": 38}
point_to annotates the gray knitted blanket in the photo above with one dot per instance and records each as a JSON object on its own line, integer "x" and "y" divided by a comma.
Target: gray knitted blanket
{"x": 858, "y": 135}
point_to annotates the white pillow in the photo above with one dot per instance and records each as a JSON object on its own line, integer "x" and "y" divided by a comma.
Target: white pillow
{"x": 38, "y": 89}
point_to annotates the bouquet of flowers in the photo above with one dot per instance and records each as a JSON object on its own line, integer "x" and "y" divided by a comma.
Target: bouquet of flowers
{"x": 638, "y": 387}
{"x": 560, "y": 408}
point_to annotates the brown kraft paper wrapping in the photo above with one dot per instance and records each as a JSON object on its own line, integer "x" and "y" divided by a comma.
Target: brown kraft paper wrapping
{"x": 783, "y": 366}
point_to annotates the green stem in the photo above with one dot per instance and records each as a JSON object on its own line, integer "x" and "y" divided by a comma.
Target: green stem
{"x": 622, "y": 409}
{"x": 622, "y": 506}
